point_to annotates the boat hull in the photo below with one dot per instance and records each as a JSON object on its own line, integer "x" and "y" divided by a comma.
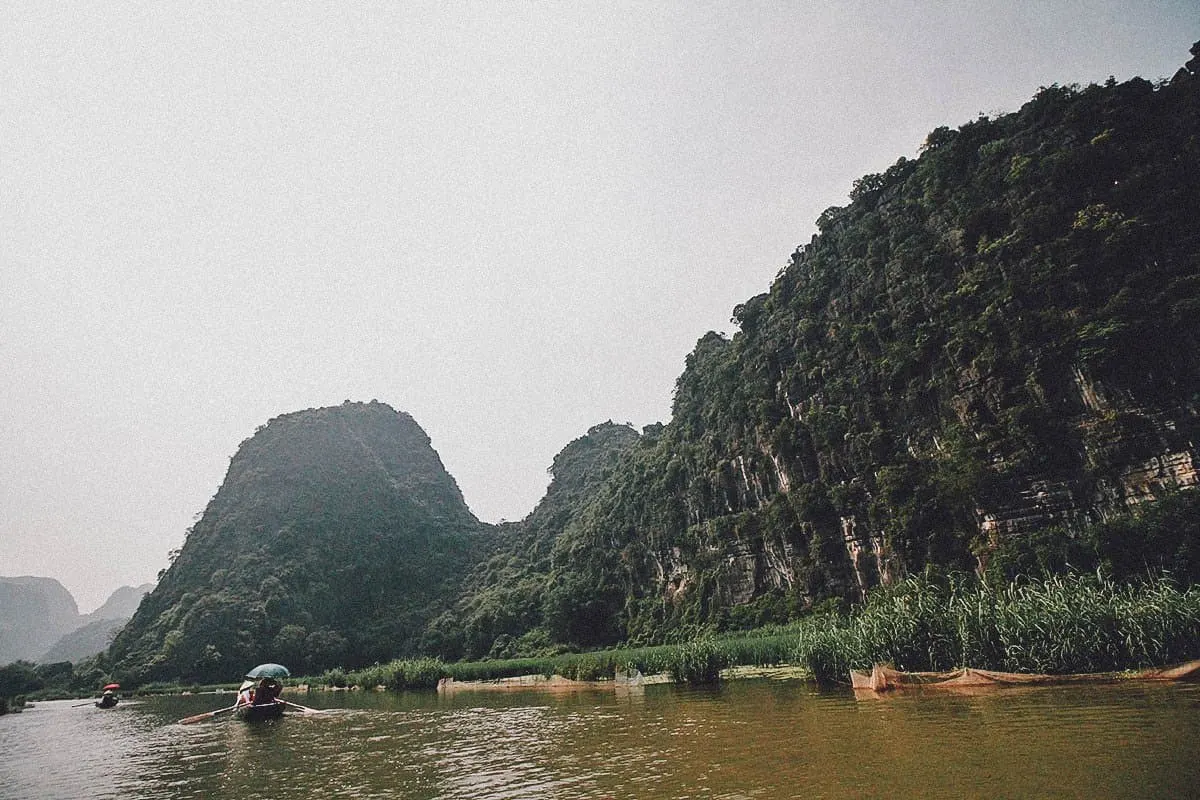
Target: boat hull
{"x": 260, "y": 713}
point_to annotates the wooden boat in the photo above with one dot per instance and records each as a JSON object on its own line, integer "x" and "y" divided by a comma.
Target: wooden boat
{"x": 256, "y": 713}
{"x": 107, "y": 701}
{"x": 883, "y": 678}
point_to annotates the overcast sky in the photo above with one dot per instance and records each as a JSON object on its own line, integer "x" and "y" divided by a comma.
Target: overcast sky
{"x": 512, "y": 221}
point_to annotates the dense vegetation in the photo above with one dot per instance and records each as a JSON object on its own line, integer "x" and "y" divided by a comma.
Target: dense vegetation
{"x": 1069, "y": 623}
{"x": 504, "y": 603}
{"x": 20, "y": 680}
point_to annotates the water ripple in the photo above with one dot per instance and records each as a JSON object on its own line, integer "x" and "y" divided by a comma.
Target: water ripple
{"x": 742, "y": 741}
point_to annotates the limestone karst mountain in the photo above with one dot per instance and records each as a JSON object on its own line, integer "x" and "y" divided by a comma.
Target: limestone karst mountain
{"x": 988, "y": 361}
{"x": 335, "y": 536}
{"x": 96, "y": 630}
{"x": 34, "y": 613}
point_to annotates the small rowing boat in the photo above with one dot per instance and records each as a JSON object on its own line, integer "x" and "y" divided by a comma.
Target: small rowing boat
{"x": 883, "y": 678}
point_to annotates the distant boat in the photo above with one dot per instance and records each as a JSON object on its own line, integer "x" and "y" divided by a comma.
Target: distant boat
{"x": 109, "y": 698}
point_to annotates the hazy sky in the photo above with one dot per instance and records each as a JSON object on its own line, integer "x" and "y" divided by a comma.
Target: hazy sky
{"x": 512, "y": 221}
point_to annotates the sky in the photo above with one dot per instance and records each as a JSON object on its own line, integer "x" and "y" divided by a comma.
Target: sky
{"x": 510, "y": 220}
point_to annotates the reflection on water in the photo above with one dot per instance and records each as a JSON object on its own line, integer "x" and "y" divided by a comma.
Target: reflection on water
{"x": 748, "y": 739}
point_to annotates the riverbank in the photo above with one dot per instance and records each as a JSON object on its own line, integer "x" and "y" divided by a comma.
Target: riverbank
{"x": 1061, "y": 625}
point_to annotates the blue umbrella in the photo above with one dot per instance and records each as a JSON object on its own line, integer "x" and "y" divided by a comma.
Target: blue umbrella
{"x": 268, "y": 671}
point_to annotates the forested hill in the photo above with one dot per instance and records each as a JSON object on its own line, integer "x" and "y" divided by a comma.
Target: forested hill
{"x": 984, "y": 360}
{"x": 335, "y": 536}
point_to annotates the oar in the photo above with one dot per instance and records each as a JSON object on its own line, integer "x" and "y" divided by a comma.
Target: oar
{"x": 206, "y": 715}
{"x": 81, "y": 705}
{"x": 302, "y": 708}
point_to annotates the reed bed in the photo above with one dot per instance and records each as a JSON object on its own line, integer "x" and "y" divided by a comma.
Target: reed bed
{"x": 1064, "y": 624}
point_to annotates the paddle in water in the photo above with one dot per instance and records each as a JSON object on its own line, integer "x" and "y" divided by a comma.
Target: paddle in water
{"x": 206, "y": 715}
{"x": 302, "y": 708}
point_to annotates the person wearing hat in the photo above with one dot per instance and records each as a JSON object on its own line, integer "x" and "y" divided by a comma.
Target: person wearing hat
{"x": 268, "y": 689}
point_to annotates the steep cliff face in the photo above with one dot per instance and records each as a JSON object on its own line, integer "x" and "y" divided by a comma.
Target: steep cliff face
{"x": 993, "y": 340}
{"x": 335, "y": 536}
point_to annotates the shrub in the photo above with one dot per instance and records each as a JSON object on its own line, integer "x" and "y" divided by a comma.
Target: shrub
{"x": 697, "y": 662}
{"x": 335, "y": 677}
{"x": 421, "y": 673}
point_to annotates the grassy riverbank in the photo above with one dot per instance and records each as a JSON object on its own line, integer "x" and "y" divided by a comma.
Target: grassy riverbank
{"x": 1065, "y": 624}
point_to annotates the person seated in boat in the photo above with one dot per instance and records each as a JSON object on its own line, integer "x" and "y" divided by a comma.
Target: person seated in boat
{"x": 266, "y": 692}
{"x": 108, "y": 699}
{"x": 245, "y": 695}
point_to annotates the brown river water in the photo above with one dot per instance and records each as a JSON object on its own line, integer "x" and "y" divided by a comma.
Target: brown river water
{"x": 746, "y": 739}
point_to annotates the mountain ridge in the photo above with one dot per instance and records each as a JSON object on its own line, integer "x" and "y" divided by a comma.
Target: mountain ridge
{"x": 985, "y": 360}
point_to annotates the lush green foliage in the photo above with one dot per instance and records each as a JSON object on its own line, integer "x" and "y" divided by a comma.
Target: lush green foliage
{"x": 1063, "y": 624}
{"x": 21, "y": 680}
{"x": 1069, "y": 623}
{"x": 419, "y": 673}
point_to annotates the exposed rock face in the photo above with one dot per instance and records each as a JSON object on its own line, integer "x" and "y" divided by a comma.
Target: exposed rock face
{"x": 1130, "y": 453}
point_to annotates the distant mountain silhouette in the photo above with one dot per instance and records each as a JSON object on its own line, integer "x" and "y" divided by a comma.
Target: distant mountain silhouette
{"x": 40, "y": 620}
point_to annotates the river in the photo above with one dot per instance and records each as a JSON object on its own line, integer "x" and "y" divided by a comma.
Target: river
{"x": 746, "y": 739}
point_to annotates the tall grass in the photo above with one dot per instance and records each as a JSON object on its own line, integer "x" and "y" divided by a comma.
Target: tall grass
{"x": 1068, "y": 623}
{"x": 419, "y": 673}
